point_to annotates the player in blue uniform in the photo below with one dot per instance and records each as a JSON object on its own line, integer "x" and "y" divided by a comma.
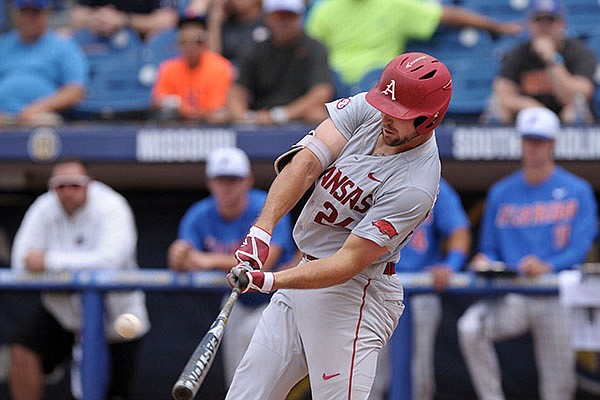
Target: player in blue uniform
{"x": 540, "y": 219}
{"x": 213, "y": 228}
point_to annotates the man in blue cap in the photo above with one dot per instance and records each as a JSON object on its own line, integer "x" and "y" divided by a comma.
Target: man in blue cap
{"x": 549, "y": 70}
{"x": 42, "y": 73}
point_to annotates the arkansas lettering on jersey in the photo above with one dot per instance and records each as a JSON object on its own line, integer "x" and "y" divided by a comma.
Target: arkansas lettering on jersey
{"x": 346, "y": 191}
{"x": 352, "y": 199}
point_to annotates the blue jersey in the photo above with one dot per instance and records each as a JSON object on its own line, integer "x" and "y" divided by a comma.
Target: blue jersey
{"x": 208, "y": 231}
{"x": 555, "y": 220}
{"x": 424, "y": 248}
{"x": 31, "y": 71}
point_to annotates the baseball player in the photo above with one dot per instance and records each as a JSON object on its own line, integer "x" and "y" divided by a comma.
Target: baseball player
{"x": 447, "y": 227}
{"x": 213, "y": 228}
{"x": 539, "y": 219}
{"x": 375, "y": 168}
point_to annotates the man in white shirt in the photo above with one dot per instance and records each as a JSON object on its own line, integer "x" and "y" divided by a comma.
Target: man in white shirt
{"x": 78, "y": 224}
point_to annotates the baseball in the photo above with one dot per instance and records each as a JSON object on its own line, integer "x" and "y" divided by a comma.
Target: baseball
{"x": 128, "y": 325}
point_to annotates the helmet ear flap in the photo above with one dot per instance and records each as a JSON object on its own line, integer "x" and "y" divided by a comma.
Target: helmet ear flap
{"x": 419, "y": 120}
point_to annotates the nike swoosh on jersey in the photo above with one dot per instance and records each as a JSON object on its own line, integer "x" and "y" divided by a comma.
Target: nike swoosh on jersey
{"x": 372, "y": 177}
{"x": 328, "y": 377}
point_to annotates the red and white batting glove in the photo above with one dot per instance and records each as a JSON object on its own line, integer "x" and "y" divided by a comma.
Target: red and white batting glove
{"x": 250, "y": 280}
{"x": 255, "y": 248}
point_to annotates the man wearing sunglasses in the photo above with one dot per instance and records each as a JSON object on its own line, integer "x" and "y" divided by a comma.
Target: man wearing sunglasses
{"x": 549, "y": 70}
{"x": 79, "y": 224}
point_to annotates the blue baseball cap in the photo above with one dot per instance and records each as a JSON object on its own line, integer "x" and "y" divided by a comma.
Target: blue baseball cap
{"x": 546, "y": 7}
{"x": 37, "y": 4}
{"x": 190, "y": 15}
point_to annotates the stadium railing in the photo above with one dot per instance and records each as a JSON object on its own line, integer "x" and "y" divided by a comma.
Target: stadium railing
{"x": 93, "y": 284}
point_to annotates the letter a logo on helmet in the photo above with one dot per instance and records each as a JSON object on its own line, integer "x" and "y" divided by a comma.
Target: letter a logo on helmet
{"x": 414, "y": 86}
{"x": 390, "y": 89}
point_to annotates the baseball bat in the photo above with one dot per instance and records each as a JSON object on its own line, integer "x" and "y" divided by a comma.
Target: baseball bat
{"x": 197, "y": 367}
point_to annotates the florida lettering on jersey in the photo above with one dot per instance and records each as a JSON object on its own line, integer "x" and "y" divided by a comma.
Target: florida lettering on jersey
{"x": 538, "y": 213}
{"x": 559, "y": 214}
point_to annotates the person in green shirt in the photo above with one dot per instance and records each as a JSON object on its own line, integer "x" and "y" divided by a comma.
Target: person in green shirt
{"x": 361, "y": 35}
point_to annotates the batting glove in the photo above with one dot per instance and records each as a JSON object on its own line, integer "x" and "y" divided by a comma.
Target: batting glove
{"x": 248, "y": 281}
{"x": 255, "y": 248}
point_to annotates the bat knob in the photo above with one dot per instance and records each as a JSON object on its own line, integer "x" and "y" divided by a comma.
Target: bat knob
{"x": 182, "y": 392}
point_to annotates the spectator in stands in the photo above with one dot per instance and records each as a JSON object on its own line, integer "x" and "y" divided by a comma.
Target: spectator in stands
{"x": 79, "y": 224}
{"x": 213, "y": 228}
{"x": 234, "y": 25}
{"x": 361, "y": 36}
{"x": 42, "y": 74}
{"x": 285, "y": 77}
{"x": 195, "y": 85}
{"x": 548, "y": 70}
{"x": 538, "y": 220}
{"x": 445, "y": 231}
{"x": 106, "y": 17}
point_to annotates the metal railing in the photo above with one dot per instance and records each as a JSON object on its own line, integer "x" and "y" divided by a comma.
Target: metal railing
{"x": 93, "y": 284}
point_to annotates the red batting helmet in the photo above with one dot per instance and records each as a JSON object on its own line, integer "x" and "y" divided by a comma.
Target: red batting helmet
{"x": 414, "y": 85}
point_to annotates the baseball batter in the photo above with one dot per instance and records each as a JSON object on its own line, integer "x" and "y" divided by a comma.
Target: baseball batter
{"x": 376, "y": 170}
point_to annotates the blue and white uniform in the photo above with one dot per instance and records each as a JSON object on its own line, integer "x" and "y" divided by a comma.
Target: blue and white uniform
{"x": 555, "y": 220}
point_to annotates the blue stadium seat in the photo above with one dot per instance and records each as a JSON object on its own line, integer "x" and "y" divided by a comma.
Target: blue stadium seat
{"x": 503, "y": 10}
{"x": 369, "y": 80}
{"x": 469, "y": 55}
{"x": 4, "y": 20}
{"x": 582, "y": 17}
{"x": 161, "y": 46}
{"x": 115, "y": 85}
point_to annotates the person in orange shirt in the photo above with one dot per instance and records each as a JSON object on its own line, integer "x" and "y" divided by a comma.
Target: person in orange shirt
{"x": 194, "y": 85}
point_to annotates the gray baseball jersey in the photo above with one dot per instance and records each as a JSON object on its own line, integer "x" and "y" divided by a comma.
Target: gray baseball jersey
{"x": 380, "y": 198}
{"x": 335, "y": 334}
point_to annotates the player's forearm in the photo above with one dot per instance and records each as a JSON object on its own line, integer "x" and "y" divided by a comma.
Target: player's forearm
{"x": 288, "y": 188}
{"x": 315, "y": 274}
{"x": 356, "y": 255}
{"x": 460, "y": 240}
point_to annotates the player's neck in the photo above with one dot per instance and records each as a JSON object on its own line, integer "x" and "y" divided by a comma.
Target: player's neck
{"x": 383, "y": 149}
{"x": 536, "y": 175}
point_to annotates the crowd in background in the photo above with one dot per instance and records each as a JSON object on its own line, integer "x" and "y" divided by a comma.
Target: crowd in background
{"x": 276, "y": 61}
